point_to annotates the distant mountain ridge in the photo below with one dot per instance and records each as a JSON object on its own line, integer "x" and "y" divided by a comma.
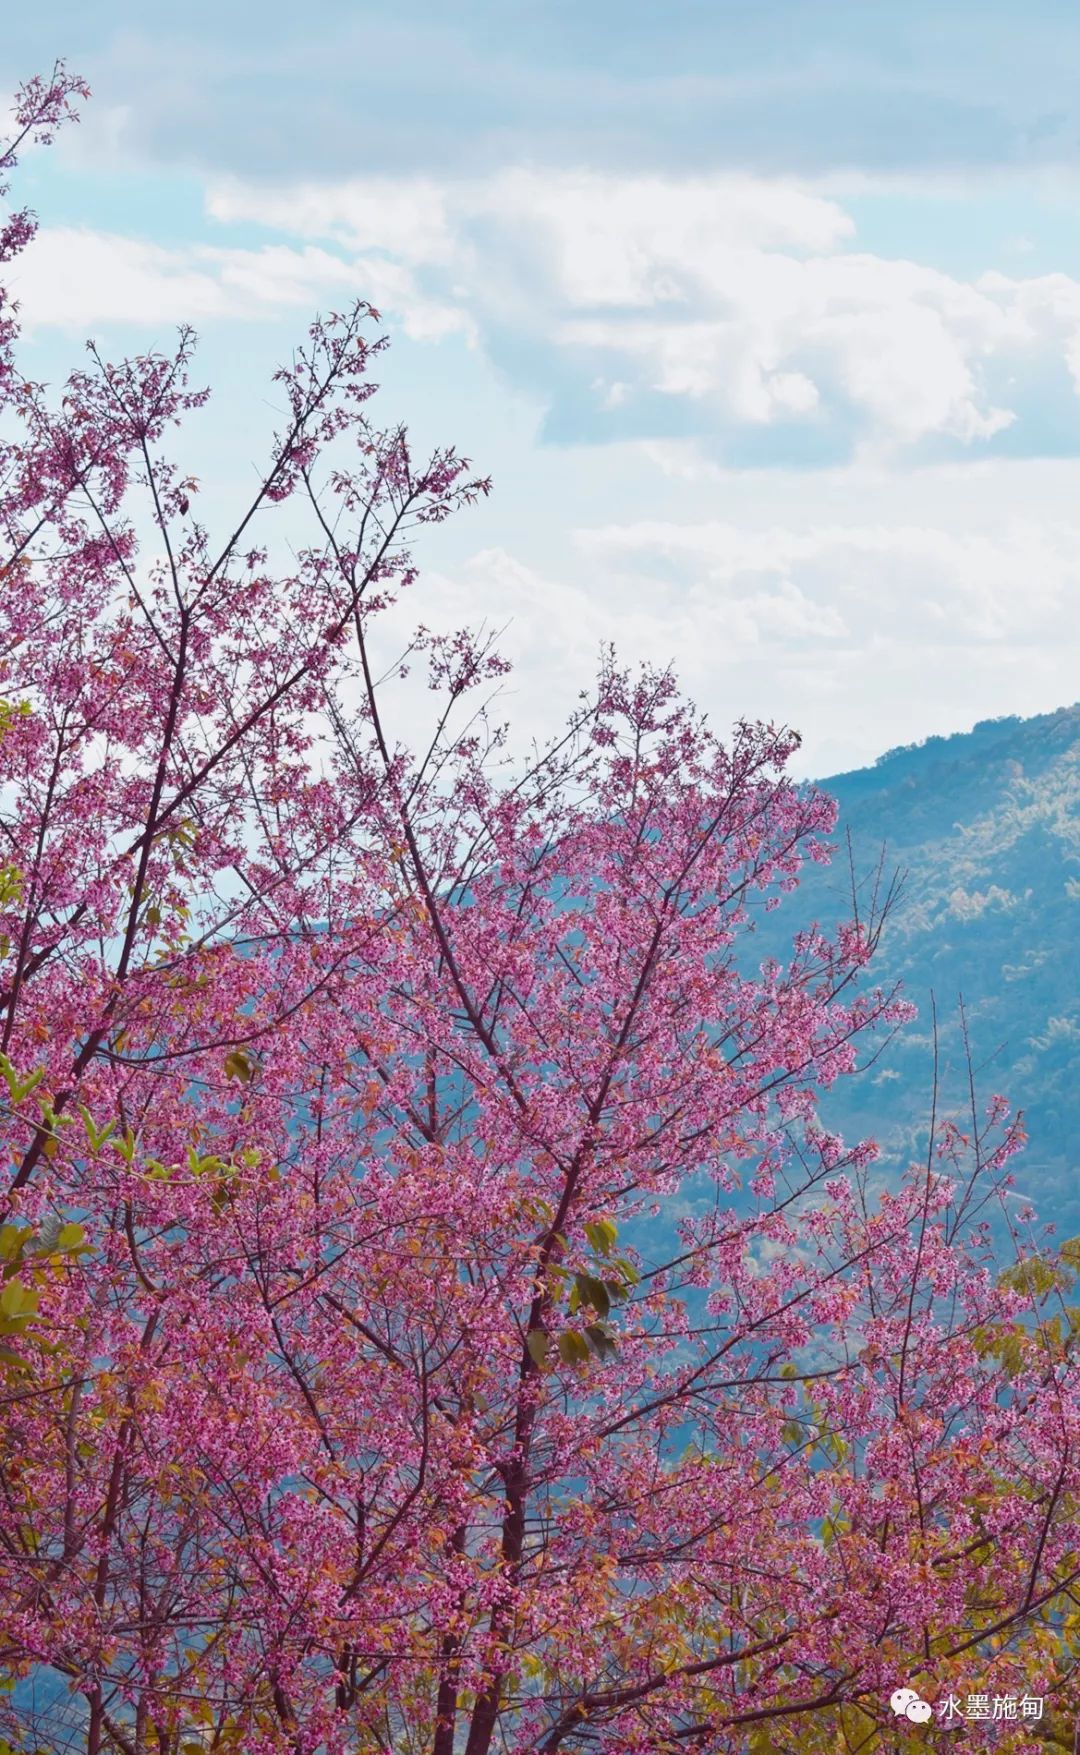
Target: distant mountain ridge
{"x": 986, "y": 824}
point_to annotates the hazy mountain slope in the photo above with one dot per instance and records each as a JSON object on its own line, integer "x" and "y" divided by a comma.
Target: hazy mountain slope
{"x": 987, "y": 825}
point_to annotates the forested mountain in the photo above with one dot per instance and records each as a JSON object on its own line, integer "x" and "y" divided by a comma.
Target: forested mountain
{"x": 986, "y": 826}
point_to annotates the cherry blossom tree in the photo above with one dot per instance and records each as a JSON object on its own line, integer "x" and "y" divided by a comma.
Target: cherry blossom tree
{"x": 435, "y": 1315}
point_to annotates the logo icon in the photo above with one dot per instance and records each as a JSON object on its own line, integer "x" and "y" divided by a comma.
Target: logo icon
{"x": 906, "y": 1704}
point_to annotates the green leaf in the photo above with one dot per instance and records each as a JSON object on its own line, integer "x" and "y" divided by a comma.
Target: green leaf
{"x": 21, "y": 1088}
{"x": 602, "y": 1235}
{"x": 11, "y": 886}
{"x": 17, "y": 1299}
{"x": 538, "y": 1341}
{"x": 95, "y": 1135}
{"x": 11, "y": 1298}
{"x": 13, "y": 1240}
{"x": 70, "y": 1236}
{"x": 832, "y": 1528}
{"x": 239, "y": 1066}
{"x": 600, "y": 1339}
{"x": 573, "y": 1347}
{"x": 593, "y": 1291}
{"x": 208, "y": 1166}
{"x": 1035, "y": 1276}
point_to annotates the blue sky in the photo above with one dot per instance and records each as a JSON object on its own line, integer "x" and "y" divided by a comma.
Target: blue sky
{"x": 765, "y": 319}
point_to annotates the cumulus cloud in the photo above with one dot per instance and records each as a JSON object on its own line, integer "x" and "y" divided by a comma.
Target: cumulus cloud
{"x": 729, "y": 309}
{"x": 75, "y": 278}
{"x": 406, "y": 218}
{"x": 734, "y": 305}
{"x": 895, "y": 582}
{"x": 863, "y": 635}
{"x": 692, "y": 320}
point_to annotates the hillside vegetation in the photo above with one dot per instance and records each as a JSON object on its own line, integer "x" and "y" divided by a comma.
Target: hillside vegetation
{"x": 986, "y": 826}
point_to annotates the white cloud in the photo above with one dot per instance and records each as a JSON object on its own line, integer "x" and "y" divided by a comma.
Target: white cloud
{"x": 866, "y": 604}
{"x": 740, "y": 294}
{"x": 624, "y": 240}
{"x": 405, "y": 218}
{"x": 905, "y": 585}
{"x": 864, "y": 635}
{"x": 740, "y": 297}
{"x": 75, "y": 278}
